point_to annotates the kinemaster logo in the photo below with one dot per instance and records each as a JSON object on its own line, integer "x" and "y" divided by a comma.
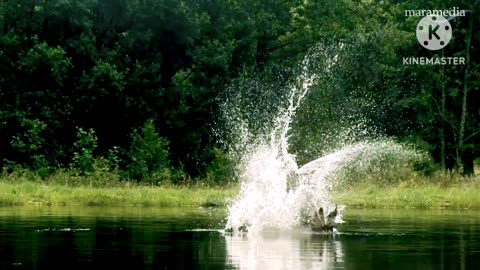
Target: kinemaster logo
{"x": 434, "y": 32}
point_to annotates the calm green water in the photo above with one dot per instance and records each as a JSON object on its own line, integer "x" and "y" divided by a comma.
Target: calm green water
{"x": 143, "y": 238}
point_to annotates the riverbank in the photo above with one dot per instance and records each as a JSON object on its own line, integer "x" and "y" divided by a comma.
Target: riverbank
{"x": 456, "y": 194}
{"x": 36, "y": 193}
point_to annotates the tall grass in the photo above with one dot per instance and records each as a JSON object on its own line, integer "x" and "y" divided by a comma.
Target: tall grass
{"x": 106, "y": 189}
{"x": 61, "y": 189}
{"x": 441, "y": 191}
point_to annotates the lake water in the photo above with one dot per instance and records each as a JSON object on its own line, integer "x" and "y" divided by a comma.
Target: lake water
{"x": 147, "y": 238}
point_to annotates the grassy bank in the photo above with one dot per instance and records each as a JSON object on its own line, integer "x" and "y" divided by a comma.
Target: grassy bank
{"x": 455, "y": 194}
{"x": 36, "y": 193}
{"x": 63, "y": 190}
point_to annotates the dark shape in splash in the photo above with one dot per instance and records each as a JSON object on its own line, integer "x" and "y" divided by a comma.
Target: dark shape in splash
{"x": 318, "y": 222}
{"x": 322, "y": 223}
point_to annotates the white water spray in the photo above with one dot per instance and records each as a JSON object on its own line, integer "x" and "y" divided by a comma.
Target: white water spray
{"x": 267, "y": 200}
{"x": 275, "y": 192}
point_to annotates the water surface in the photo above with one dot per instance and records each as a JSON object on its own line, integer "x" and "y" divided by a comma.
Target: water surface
{"x": 149, "y": 238}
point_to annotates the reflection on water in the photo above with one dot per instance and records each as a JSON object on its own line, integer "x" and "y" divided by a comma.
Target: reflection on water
{"x": 285, "y": 250}
{"x": 108, "y": 238}
{"x": 149, "y": 238}
{"x": 371, "y": 239}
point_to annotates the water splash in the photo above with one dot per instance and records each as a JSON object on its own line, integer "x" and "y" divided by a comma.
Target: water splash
{"x": 267, "y": 170}
{"x": 376, "y": 158}
{"x": 275, "y": 191}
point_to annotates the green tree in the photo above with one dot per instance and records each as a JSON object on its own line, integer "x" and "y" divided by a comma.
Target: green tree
{"x": 149, "y": 155}
{"x": 83, "y": 158}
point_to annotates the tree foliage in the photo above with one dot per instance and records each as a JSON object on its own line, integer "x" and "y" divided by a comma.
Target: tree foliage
{"x": 111, "y": 66}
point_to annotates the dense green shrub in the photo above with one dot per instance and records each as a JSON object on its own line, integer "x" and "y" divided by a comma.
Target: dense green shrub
{"x": 149, "y": 156}
{"x": 30, "y": 143}
{"x": 221, "y": 170}
{"x": 83, "y": 158}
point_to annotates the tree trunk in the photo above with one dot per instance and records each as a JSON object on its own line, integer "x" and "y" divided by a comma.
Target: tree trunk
{"x": 443, "y": 159}
{"x": 466, "y": 77}
{"x": 442, "y": 118}
{"x": 467, "y": 159}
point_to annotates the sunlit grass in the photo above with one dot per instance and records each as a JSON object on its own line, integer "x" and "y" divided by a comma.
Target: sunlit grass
{"x": 36, "y": 193}
{"x": 441, "y": 191}
{"x": 461, "y": 193}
